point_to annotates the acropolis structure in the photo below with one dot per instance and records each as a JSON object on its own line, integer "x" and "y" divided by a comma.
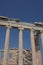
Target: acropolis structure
{"x": 35, "y": 29}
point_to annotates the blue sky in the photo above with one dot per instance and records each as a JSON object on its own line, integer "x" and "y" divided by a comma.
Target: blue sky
{"x": 27, "y": 11}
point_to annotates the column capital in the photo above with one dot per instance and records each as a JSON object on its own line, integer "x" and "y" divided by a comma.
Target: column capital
{"x": 21, "y": 28}
{"x": 32, "y": 29}
{"x": 8, "y": 26}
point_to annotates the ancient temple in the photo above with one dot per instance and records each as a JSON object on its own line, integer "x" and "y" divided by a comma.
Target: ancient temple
{"x": 35, "y": 29}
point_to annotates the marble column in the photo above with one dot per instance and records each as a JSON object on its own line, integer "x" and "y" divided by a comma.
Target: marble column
{"x": 5, "y": 58}
{"x": 41, "y": 33}
{"x": 33, "y": 48}
{"x": 38, "y": 53}
{"x": 20, "y": 46}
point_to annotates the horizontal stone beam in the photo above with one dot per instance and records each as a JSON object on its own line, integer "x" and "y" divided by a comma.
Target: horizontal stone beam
{"x": 20, "y": 24}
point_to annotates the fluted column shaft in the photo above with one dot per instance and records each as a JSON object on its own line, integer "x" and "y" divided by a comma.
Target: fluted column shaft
{"x": 20, "y": 46}
{"x": 5, "y": 59}
{"x": 33, "y": 48}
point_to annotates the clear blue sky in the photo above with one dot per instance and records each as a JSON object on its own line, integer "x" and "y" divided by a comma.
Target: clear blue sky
{"x": 27, "y": 11}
